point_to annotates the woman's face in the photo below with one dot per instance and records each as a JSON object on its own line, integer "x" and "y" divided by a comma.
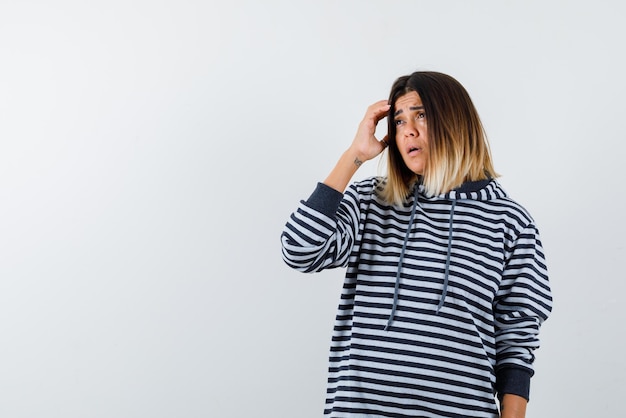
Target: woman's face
{"x": 411, "y": 131}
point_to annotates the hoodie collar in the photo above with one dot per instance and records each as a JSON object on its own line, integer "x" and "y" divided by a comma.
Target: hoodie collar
{"x": 488, "y": 189}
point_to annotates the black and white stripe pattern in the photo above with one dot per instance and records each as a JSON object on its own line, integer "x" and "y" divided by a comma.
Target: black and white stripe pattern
{"x": 426, "y": 364}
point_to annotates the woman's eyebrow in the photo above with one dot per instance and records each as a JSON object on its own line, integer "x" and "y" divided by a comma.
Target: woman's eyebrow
{"x": 397, "y": 112}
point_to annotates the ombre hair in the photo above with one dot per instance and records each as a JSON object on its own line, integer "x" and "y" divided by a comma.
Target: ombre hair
{"x": 458, "y": 150}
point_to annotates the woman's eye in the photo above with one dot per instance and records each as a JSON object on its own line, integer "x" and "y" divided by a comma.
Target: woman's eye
{"x": 398, "y": 122}
{"x": 421, "y": 115}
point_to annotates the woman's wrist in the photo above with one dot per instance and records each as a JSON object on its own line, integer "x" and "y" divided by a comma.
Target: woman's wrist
{"x": 513, "y": 406}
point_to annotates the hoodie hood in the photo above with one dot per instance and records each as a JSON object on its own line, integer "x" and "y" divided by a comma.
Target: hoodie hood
{"x": 481, "y": 190}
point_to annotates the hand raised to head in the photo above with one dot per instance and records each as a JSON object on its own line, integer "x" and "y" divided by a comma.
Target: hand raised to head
{"x": 365, "y": 144}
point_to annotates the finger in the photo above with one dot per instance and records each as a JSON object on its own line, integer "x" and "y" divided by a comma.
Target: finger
{"x": 378, "y": 111}
{"x": 379, "y": 106}
{"x": 381, "y": 111}
{"x": 384, "y": 142}
{"x": 375, "y": 113}
{"x": 379, "y": 103}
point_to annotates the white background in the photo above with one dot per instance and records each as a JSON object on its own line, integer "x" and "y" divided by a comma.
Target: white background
{"x": 151, "y": 152}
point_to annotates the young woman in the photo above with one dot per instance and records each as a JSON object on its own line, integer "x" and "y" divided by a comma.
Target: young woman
{"x": 446, "y": 284}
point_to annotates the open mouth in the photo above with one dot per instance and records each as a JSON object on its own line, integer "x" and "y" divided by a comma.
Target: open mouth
{"x": 414, "y": 150}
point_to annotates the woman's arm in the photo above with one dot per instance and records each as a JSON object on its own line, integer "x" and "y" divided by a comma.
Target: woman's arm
{"x": 522, "y": 304}
{"x": 321, "y": 232}
{"x": 513, "y": 406}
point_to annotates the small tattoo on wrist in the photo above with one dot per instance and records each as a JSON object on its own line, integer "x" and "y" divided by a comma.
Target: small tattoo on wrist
{"x": 357, "y": 162}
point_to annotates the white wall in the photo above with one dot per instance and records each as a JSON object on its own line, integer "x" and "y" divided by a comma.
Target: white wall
{"x": 151, "y": 151}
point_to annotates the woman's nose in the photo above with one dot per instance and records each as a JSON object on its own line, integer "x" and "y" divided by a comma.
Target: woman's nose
{"x": 410, "y": 130}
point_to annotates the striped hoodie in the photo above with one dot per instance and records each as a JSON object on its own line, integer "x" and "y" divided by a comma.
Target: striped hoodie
{"x": 442, "y": 301}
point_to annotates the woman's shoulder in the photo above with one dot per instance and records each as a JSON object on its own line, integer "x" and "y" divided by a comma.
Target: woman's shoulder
{"x": 368, "y": 186}
{"x": 514, "y": 208}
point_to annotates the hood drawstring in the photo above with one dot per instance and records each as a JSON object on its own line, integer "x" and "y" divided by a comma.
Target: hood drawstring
{"x": 445, "y": 277}
{"x": 406, "y": 239}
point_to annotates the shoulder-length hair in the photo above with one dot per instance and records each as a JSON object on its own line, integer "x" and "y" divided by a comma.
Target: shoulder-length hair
{"x": 457, "y": 143}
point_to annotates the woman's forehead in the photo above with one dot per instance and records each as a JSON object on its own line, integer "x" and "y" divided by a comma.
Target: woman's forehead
{"x": 408, "y": 100}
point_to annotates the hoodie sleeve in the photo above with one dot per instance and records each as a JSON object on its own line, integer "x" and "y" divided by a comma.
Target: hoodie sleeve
{"x": 320, "y": 234}
{"x": 522, "y": 304}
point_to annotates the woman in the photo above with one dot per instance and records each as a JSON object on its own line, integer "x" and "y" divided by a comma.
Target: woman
{"x": 446, "y": 284}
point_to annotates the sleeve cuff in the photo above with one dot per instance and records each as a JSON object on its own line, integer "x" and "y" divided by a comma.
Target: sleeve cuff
{"x": 513, "y": 380}
{"x": 325, "y": 199}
